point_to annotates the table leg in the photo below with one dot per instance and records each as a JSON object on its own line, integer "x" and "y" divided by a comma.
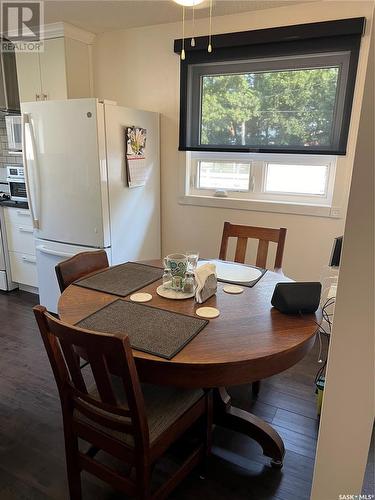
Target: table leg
{"x": 242, "y": 421}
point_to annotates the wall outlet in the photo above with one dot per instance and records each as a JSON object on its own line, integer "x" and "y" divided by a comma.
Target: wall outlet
{"x": 332, "y": 292}
{"x": 335, "y": 212}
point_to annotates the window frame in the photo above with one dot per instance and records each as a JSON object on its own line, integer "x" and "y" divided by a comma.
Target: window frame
{"x": 194, "y": 181}
{"x": 257, "y": 178}
{"x": 197, "y": 72}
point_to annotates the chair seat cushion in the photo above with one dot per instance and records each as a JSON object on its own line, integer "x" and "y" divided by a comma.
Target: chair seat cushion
{"x": 164, "y": 405}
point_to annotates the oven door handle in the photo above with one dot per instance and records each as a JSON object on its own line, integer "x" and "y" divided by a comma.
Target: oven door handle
{"x": 31, "y": 175}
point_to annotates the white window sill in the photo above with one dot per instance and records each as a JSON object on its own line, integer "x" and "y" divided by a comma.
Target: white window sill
{"x": 261, "y": 206}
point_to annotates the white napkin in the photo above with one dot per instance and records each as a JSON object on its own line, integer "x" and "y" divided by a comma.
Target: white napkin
{"x": 206, "y": 279}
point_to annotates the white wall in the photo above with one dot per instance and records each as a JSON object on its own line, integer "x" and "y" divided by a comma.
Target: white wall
{"x": 138, "y": 68}
{"x": 348, "y": 407}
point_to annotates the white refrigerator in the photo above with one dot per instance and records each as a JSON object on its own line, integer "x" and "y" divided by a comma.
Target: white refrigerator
{"x": 74, "y": 156}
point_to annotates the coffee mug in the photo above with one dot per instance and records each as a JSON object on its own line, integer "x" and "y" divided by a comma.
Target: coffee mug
{"x": 177, "y": 263}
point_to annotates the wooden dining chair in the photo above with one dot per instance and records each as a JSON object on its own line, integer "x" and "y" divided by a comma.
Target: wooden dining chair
{"x": 133, "y": 423}
{"x": 264, "y": 235}
{"x": 80, "y": 265}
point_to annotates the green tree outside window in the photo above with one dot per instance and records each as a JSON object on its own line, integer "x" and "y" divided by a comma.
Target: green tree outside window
{"x": 281, "y": 108}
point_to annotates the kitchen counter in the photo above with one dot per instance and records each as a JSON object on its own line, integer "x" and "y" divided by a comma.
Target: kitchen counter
{"x": 14, "y": 204}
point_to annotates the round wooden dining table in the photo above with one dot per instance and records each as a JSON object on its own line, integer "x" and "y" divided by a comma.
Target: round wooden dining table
{"x": 249, "y": 340}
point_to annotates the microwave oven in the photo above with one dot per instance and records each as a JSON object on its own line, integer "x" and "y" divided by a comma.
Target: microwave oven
{"x": 14, "y": 132}
{"x": 16, "y": 182}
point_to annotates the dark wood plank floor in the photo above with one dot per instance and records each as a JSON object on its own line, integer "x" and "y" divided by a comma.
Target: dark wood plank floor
{"x": 31, "y": 441}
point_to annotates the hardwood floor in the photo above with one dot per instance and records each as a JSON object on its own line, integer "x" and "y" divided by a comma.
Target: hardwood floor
{"x": 32, "y": 465}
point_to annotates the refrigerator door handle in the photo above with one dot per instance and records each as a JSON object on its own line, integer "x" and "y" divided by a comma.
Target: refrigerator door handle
{"x": 28, "y": 173}
{"x": 49, "y": 251}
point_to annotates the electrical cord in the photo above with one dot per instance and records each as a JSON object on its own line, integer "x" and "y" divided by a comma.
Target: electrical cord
{"x": 322, "y": 331}
{"x": 327, "y": 318}
{"x": 320, "y": 347}
{"x": 320, "y": 371}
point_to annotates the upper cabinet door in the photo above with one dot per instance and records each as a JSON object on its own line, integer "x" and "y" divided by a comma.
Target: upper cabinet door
{"x": 9, "y": 78}
{"x": 53, "y": 70}
{"x": 28, "y": 72}
{"x": 62, "y": 71}
{"x": 78, "y": 68}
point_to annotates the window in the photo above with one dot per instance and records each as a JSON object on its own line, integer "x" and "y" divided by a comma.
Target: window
{"x": 281, "y": 108}
{"x": 293, "y": 179}
{"x": 232, "y": 176}
{"x": 296, "y": 179}
{"x": 281, "y": 90}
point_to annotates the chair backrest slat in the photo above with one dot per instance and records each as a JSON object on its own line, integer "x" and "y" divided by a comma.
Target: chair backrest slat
{"x": 240, "y": 250}
{"x": 262, "y": 253}
{"x": 80, "y": 265}
{"x": 265, "y": 235}
{"x": 72, "y": 361}
{"x": 101, "y": 375}
{"x": 102, "y": 350}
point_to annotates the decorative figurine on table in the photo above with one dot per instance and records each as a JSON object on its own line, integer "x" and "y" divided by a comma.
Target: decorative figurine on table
{"x": 206, "y": 280}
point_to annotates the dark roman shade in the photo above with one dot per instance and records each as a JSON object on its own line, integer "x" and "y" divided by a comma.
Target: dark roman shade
{"x": 284, "y": 90}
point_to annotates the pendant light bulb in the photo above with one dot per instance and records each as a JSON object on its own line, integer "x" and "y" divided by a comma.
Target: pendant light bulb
{"x": 183, "y": 55}
{"x": 209, "y": 48}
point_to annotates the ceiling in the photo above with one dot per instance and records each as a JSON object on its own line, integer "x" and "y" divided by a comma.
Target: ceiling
{"x": 109, "y": 15}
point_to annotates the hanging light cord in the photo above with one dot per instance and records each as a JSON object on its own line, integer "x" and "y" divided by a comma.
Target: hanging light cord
{"x": 183, "y": 34}
{"x": 192, "y": 41}
{"x": 209, "y": 48}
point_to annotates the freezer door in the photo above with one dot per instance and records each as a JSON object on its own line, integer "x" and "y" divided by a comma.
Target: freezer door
{"x": 48, "y": 255}
{"x": 65, "y": 166}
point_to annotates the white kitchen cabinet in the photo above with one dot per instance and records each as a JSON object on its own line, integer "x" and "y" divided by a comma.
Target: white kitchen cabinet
{"x": 23, "y": 269}
{"x": 19, "y": 231}
{"x": 20, "y": 239}
{"x": 53, "y": 70}
{"x": 28, "y": 75}
{"x": 78, "y": 69}
{"x": 14, "y": 216}
{"x": 61, "y": 71}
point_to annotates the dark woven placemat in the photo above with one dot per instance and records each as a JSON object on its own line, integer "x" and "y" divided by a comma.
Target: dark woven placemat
{"x": 155, "y": 331}
{"x": 122, "y": 279}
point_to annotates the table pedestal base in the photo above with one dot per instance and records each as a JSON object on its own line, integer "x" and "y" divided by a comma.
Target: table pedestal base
{"x": 242, "y": 421}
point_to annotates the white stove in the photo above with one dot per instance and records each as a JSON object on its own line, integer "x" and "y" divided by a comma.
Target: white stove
{"x": 4, "y": 196}
{"x": 5, "y": 279}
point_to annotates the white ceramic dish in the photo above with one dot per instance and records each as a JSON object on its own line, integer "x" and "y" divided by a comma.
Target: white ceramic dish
{"x": 230, "y": 271}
